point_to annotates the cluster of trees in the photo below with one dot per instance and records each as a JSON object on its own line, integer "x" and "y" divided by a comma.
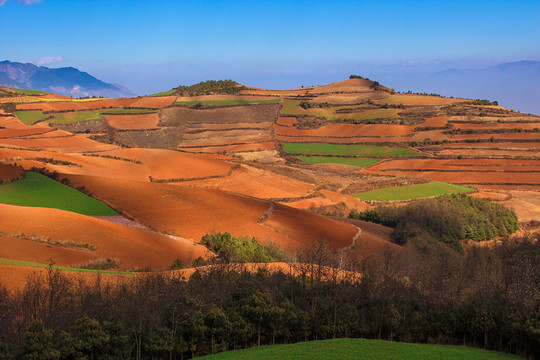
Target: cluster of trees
{"x": 234, "y": 249}
{"x": 447, "y": 219}
{"x": 209, "y": 87}
{"x": 482, "y": 102}
{"x": 487, "y": 297}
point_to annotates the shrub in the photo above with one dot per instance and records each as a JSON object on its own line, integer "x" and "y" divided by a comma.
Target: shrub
{"x": 230, "y": 248}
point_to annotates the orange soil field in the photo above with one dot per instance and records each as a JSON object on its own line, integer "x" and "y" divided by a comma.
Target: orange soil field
{"x": 226, "y": 126}
{"x": 344, "y": 99}
{"x": 133, "y": 122}
{"x": 286, "y": 121}
{"x": 69, "y": 144}
{"x": 192, "y": 212}
{"x": 170, "y": 164}
{"x": 55, "y": 96}
{"x": 343, "y": 140}
{"x": 154, "y": 102}
{"x": 269, "y": 145}
{"x": 508, "y": 136}
{"x": 348, "y": 130}
{"x": 270, "y": 93}
{"x": 497, "y": 145}
{"x": 475, "y": 177}
{"x": 412, "y": 100}
{"x": 526, "y": 204}
{"x": 436, "y": 121}
{"x": 487, "y": 153}
{"x": 373, "y": 237}
{"x": 258, "y": 183}
{"x": 226, "y": 141}
{"x": 459, "y": 164}
{"x": 224, "y": 97}
{"x": 351, "y": 85}
{"x": 488, "y": 126}
{"x": 11, "y": 122}
{"x": 491, "y": 195}
{"x": 329, "y": 198}
{"x": 219, "y": 134}
{"x": 133, "y": 247}
{"x": 76, "y": 105}
{"x": 50, "y": 134}
{"x": 9, "y": 133}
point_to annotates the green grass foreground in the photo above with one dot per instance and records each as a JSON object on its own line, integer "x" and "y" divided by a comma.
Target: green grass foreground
{"x": 360, "y": 162}
{"x": 346, "y": 150}
{"x": 353, "y": 349}
{"x": 228, "y": 102}
{"x": 433, "y": 188}
{"x": 63, "y": 268}
{"x": 40, "y": 191}
{"x": 30, "y": 117}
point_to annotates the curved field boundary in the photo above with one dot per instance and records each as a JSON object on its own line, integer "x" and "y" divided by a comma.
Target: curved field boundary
{"x": 37, "y": 190}
{"x": 433, "y": 188}
{"x": 229, "y": 173}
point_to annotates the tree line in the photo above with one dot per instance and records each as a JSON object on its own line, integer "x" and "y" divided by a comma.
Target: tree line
{"x": 486, "y": 297}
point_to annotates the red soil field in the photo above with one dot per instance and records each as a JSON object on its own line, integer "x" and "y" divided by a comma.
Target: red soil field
{"x": 9, "y": 172}
{"x": 269, "y": 145}
{"x": 227, "y": 133}
{"x": 11, "y": 122}
{"x": 436, "y": 121}
{"x": 474, "y": 177}
{"x": 226, "y": 141}
{"x": 342, "y": 140}
{"x": 133, "y": 122}
{"x": 348, "y": 130}
{"x": 224, "y": 97}
{"x": 154, "y": 102}
{"x": 373, "y": 237}
{"x": 9, "y": 133}
{"x": 227, "y": 126}
{"x": 459, "y": 164}
{"x": 68, "y": 144}
{"x": 344, "y": 99}
{"x": 55, "y": 96}
{"x": 191, "y": 212}
{"x": 413, "y": 100}
{"x": 488, "y": 126}
{"x": 497, "y": 145}
{"x": 50, "y": 134}
{"x": 270, "y": 93}
{"x": 133, "y": 247}
{"x": 508, "y": 136}
{"x": 76, "y": 105}
{"x": 306, "y": 230}
{"x": 286, "y": 121}
{"x": 493, "y": 153}
{"x": 170, "y": 164}
{"x": 351, "y": 85}
{"x": 258, "y": 183}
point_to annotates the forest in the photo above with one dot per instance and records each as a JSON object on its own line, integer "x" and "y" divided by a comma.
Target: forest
{"x": 484, "y": 297}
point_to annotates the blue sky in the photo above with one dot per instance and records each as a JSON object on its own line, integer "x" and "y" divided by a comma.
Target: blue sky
{"x": 150, "y": 46}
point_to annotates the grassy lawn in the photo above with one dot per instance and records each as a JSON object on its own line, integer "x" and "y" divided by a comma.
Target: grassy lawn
{"x": 30, "y": 117}
{"x": 126, "y": 111}
{"x": 40, "y": 191}
{"x": 64, "y": 268}
{"x": 360, "y": 162}
{"x": 75, "y": 116}
{"x": 228, "y": 102}
{"x": 349, "y": 349}
{"x": 433, "y": 188}
{"x": 346, "y": 150}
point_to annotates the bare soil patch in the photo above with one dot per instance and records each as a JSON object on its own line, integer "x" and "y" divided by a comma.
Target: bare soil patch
{"x": 133, "y": 122}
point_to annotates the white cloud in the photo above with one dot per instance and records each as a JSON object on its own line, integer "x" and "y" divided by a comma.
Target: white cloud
{"x": 49, "y": 60}
{"x": 24, "y": 2}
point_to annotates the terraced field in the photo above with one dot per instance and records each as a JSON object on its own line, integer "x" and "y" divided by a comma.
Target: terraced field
{"x": 433, "y": 188}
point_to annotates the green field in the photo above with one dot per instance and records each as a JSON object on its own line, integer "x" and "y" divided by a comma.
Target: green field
{"x": 40, "y": 191}
{"x": 30, "y": 117}
{"x": 71, "y": 117}
{"x": 345, "y": 150}
{"x": 433, "y": 188}
{"x": 360, "y": 162}
{"x": 228, "y": 102}
{"x": 63, "y": 268}
{"x": 30, "y": 92}
{"x": 165, "y": 93}
{"x": 352, "y": 349}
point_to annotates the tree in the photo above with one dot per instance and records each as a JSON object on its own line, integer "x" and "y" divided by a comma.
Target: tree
{"x": 38, "y": 343}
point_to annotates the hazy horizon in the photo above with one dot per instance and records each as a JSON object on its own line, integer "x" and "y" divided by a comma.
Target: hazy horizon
{"x": 154, "y": 46}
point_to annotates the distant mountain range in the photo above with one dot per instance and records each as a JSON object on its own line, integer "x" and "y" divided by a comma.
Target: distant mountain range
{"x": 65, "y": 81}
